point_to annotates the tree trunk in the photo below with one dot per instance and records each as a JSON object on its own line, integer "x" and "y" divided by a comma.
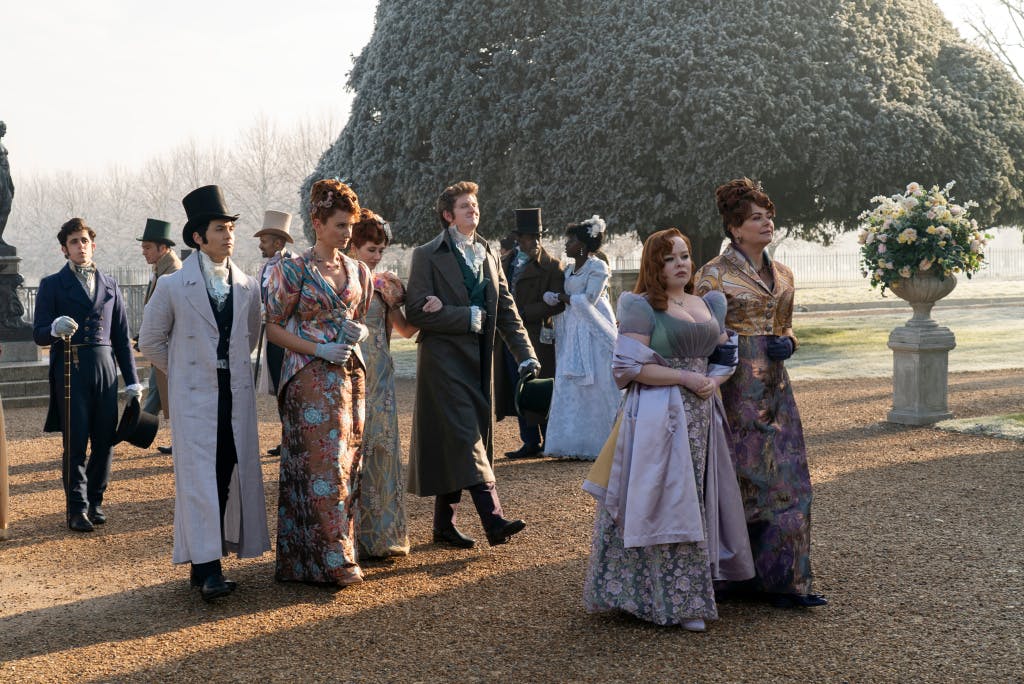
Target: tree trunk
{"x": 706, "y": 248}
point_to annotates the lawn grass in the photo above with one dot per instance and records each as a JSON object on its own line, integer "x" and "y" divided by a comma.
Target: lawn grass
{"x": 854, "y": 344}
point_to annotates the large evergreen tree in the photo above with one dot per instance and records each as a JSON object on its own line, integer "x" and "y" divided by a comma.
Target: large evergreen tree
{"x": 637, "y": 110}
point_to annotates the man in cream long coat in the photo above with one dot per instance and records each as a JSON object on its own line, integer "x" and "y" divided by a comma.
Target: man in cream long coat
{"x": 180, "y": 331}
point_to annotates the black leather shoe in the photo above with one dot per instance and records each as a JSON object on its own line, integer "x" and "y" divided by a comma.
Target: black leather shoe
{"x": 79, "y": 523}
{"x": 798, "y": 600}
{"x": 195, "y": 583}
{"x": 453, "y": 537}
{"x": 215, "y": 586}
{"x": 276, "y": 451}
{"x": 525, "y": 451}
{"x": 164, "y": 450}
{"x": 97, "y": 516}
{"x": 501, "y": 533}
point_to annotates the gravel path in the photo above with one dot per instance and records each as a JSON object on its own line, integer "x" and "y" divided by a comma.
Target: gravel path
{"x": 917, "y": 543}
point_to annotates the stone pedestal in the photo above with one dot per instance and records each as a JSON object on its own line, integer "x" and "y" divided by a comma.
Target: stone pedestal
{"x": 920, "y": 355}
{"x": 15, "y": 334}
{"x": 920, "y": 366}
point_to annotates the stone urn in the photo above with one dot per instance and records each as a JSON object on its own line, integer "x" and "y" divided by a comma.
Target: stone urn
{"x": 922, "y": 290}
{"x": 920, "y": 353}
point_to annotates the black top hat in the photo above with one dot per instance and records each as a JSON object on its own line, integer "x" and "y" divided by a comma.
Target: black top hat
{"x": 528, "y": 221}
{"x": 203, "y": 205}
{"x": 157, "y": 231}
{"x": 136, "y": 427}
{"x": 533, "y": 397}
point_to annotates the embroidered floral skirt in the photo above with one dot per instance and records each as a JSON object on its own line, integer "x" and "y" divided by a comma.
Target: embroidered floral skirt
{"x": 771, "y": 465}
{"x": 322, "y": 425}
{"x": 382, "y": 526}
{"x": 666, "y": 583}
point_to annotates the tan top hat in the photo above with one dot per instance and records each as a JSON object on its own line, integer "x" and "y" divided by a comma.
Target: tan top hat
{"x": 276, "y": 223}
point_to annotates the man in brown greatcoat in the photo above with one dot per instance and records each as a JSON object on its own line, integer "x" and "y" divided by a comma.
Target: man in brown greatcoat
{"x": 451, "y": 447}
{"x": 158, "y": 251}
{"x": 531, "y": 272}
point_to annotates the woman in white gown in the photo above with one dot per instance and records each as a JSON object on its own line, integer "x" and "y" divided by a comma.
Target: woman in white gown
{"x": 585, "y": 397}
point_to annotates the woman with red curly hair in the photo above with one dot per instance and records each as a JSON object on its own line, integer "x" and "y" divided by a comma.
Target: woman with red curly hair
{"x": 768, "y": 445}
{"x": 316, "y": 302}
{"x": 669, "y": 515}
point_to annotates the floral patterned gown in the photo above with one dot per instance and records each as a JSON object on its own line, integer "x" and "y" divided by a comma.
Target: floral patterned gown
{"x": 666, "y": 583}
{"x": 382, "y": 525}
{"x": 322, "y": 415}
{"x": 768, "y": 438}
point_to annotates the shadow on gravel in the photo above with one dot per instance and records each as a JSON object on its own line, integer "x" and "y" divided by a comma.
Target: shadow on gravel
{"x": 123, "y": 518}
{"x": 121, "y": 476}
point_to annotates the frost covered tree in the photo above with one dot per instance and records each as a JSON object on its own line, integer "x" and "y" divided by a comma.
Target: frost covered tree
{"x": 637, "y": 110}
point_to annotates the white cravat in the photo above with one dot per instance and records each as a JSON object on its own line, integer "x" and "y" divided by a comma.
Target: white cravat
{"x": 86, "y": 274}
{"x": 472, "y": 251}
{"x": 216, "y": 277}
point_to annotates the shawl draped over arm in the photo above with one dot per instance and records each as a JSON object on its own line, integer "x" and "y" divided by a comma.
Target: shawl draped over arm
{"x": 650, "y": 491}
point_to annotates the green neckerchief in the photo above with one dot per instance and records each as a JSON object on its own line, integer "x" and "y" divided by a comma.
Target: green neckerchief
{"x": 476, "y": 283}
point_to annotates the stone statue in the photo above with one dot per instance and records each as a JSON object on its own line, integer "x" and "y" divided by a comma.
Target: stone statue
{"x": 6, "y": 191}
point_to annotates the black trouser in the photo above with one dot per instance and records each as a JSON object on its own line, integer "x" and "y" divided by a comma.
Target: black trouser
{"x": 93, "y": 421}
{"x": 275, "y": 359}
{"x": 485, "y": 499}
{"x": 227, "y": 459}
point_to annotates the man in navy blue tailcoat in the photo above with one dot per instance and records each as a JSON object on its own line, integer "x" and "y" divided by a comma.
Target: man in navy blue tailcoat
{"x": 81, "y": 302}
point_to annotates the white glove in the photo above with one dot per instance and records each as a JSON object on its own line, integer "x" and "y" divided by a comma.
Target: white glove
{"x": 353, "y": 332}
{"x": 134, "y": 391}
{"x": 63, "y": 325}
{"x": 432, "y": 305}
{"x": 332, "y": 352}
{"x": 529, "y": 367}
{"x": 476, "y": 319}
{"x": 551, "y": 298}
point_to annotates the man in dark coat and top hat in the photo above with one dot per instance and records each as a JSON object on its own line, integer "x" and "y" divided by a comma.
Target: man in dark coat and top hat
{"x": 201, "y": 326}
{"x": 531, "y": 272}
{"x": 274, "y": 237}
{"x": 451, "y": 448}
{"x": 81, "y": 302}
{"x": 157, "y": 250}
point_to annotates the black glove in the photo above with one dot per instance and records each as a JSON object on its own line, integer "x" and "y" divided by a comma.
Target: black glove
{"x": 725, "y": 355}
{"x": 780, "y": 348}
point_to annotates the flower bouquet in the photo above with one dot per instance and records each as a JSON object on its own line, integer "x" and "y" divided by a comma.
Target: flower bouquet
{"x": 920, "y": 231}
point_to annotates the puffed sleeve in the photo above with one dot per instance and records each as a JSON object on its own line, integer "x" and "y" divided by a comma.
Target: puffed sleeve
{"x": 635, "y": 314}
{"x": 284, "y": 285}
{"x": 597, "y": 279}
{"x": 366, "y": 282}
{"x": 708, "y": 278}
{"x": 719, "y": 306}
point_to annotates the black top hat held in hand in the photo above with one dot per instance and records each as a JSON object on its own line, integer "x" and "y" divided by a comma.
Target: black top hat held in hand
{"x": 136, "y": 427}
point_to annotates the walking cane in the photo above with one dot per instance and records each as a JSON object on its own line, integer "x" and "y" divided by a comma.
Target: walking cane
{"x": 66, "y": 462}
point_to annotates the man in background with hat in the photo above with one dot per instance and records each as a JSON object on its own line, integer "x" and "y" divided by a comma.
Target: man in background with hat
{"x": 530, "y": 272}
{"x": 200, "y": 327}
{"x": 81, "y": 302}
{"x": 157, "y": 251}
{"x": 274, "y": 236}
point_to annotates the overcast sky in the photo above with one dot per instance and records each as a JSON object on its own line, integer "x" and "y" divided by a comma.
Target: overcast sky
{"x": 87, "y": 85}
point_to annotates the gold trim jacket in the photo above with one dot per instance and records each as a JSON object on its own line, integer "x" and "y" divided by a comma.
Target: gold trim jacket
{"x": 753, "y": 308}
